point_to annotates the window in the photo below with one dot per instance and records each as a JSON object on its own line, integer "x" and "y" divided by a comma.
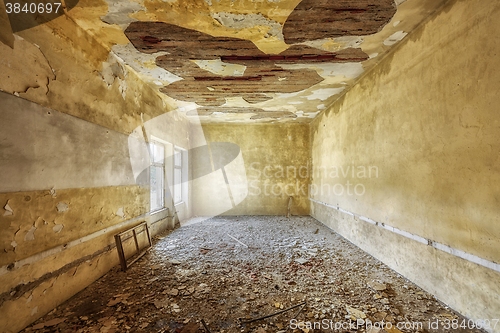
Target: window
{"x": 178, "y": 175}
{"x": 157, "y": 176}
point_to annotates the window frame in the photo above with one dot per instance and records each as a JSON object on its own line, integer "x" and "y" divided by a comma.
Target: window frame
{"x": 181, "y": 152}
{"x": 161, "y": 165}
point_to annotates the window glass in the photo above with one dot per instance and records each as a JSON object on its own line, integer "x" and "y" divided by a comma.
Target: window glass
{"x": 159, "y": 153}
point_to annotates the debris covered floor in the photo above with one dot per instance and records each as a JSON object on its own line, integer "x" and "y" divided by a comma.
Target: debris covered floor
{"x": 228, "y": 270}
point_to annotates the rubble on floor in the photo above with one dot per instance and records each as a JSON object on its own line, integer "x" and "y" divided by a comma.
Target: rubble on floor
{"x": 239, "y": 274}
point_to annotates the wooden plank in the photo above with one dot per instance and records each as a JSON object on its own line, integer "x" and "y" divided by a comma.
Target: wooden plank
{"x": 119, "y": 244}
{"x": 135, "y": 239}
{"x": 121, "y": 254}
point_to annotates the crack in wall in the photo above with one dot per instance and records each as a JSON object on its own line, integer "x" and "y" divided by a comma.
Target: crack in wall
{"x": 21, "y": 289}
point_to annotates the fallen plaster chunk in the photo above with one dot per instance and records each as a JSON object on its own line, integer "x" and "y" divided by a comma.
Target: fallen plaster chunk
{"x": 377, "y": 286}
{"x": 53, "y": 322}
{"x": 57, "y": 228}
{"x": 301, "y": 261}
{"x": 62, "y": 207}
{"x": 356, "y": 313}
{"x": 30, "y": 235}
{"x": 8, "y": 210}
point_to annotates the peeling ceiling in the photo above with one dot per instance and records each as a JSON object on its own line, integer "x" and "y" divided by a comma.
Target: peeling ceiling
{"x": 248, "y": 60}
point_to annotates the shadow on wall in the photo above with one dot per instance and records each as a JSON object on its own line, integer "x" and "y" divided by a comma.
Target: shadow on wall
{"x": 215, "y": 169}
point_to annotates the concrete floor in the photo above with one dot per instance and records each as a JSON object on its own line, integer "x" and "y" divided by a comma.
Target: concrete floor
{"x": 228, "y": 270}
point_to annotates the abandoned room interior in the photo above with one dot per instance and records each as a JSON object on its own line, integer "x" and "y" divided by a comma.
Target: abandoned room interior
{"x": 250, "y": 166}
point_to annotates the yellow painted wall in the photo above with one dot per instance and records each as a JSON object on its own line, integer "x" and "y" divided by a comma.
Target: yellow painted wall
{"x": 276, "y": 159}
{"x": 67, "y": 108}
{"x": 426, "y": 122}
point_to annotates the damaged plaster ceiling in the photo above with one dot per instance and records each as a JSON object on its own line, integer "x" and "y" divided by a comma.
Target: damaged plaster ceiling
{"x": 254, "y": 60}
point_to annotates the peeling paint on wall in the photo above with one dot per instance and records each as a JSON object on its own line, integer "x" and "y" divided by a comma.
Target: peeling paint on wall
{"x": 221, "y": 68}
{"x": 34, "y": 72}
{"x": 114, "y": 70}
{"x": 324, "y": 94}
{"x": 336, "y": 44}
{"x": 240, "y": 21}
{"x": 62, "y": 207}
{"x": 55, "y": 150}
{"x": 395, "y": 37}
{"x": 30, "y": 235}
{"x": 145, "y": 64}
{"x": 337, "y": 71}
{"x": 119, "y": 12}
{"x": 58, "y": 228}
{"x": 8, "y": 210}
{"x": 14, "y": 245}
{"x": 120, "y": 212}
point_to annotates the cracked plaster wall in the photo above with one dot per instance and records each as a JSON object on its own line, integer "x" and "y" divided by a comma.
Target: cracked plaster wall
{"x": 267, "y": 150}
{"x": 67, "y": 187}
{"x": 427, "y": 118}
{"x": 78, "y": 76}
{"x": 51, "y": 65}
